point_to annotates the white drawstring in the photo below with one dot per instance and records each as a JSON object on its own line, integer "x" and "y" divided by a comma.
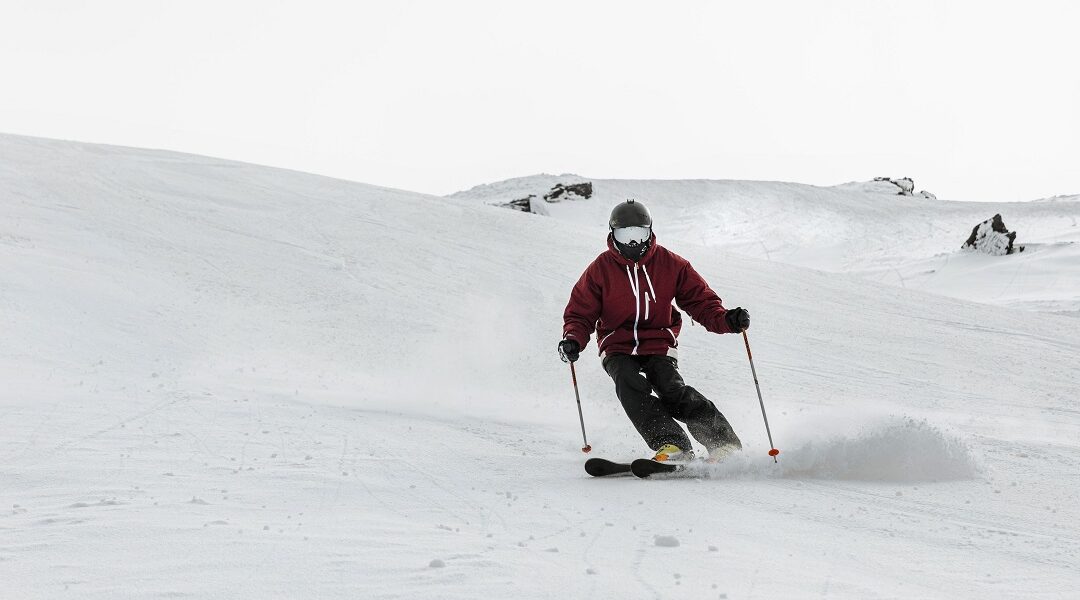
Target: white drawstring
{"x": 649, "y": 280}
{"x": 635, "y": 286}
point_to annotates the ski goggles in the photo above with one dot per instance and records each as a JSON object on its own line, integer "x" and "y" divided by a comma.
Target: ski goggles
{"x": 630, "y": 236}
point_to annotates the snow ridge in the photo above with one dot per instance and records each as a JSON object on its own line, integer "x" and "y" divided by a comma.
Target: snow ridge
{"x": 862, "y": 228}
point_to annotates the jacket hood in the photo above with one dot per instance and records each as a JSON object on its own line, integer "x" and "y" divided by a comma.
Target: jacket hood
{"x": 626, "y": 261}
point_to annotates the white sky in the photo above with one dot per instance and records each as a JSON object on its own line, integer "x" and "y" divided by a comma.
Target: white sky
{"x": 974, "y": 100}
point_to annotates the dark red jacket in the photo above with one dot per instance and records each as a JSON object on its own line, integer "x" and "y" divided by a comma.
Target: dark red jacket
{"x": 629, "y": 304}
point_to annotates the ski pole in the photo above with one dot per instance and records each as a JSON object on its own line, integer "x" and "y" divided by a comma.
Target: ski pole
{"x": 772, "y": 449}
{"x": 573, "y": 375}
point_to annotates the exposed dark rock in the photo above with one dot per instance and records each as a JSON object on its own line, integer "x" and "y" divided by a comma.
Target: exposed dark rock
{"x": 993, "y": 238}
{"x": 926, "y": 194}
{"x": 558, "y": 193}
{"x": 522, "y": 204}
{"x": 906, "y": 184}
{"x": 573, "y": 191}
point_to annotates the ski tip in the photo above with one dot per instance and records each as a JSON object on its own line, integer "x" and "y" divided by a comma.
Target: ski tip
{"x": 599, "y": 467}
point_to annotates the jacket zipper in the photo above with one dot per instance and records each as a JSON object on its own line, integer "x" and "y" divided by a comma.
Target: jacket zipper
{"x": 635, "y": 287}
{"x": 637, "y": 307}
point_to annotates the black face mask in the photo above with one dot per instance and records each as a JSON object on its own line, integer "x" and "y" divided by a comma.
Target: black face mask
{"x": 632, "y": 252}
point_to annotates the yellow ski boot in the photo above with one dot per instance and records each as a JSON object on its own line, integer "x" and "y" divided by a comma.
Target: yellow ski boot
{"x": 673, "y": 453}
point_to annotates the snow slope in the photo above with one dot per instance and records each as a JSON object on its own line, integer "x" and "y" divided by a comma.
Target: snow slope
{"x": 226, "y": 380}
{"x": 864, "y": 229}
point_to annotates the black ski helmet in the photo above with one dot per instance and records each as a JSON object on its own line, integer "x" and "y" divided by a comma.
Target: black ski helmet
{"x": 629, "y": 214}
{"x": 631, "y": 218}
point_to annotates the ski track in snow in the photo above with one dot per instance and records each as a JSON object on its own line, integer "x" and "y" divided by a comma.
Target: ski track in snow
{"x": 225, "y": 380}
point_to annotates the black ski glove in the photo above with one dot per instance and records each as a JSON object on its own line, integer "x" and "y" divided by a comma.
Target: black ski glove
{"x": 738, "y": 319}
{"x": 569, "y": 350}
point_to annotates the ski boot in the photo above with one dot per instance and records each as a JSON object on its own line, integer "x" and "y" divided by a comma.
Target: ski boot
{"x": 721, "y": 452}
{"x": 673, "y": 453}
{"x": 669, "y": 458}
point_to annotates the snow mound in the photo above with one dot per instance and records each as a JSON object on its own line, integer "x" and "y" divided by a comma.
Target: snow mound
{"x": 666, "y": 541}
{"x": 906, "y": 451}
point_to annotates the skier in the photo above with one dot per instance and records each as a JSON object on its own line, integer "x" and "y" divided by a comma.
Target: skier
{"x": 626, "y": 295}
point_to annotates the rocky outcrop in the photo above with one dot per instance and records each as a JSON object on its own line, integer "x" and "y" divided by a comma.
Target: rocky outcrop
{"x": 906, "y": 184}
{"x": 906, "y": 187}
{"x": 558, "y": 193}
{"x": 993, "y": 238}
{"x": 573, "y": 191}
{"x": 522, "y": 204}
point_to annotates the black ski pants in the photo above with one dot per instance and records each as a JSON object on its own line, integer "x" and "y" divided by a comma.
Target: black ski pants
{"x": 654, "y": 415}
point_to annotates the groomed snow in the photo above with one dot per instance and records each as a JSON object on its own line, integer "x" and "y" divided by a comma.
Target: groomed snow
{"x": 226, "y": 380}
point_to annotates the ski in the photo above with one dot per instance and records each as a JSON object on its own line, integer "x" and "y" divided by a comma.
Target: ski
{"x": 644, "y": 467}
{"x": 600, "y": 467}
